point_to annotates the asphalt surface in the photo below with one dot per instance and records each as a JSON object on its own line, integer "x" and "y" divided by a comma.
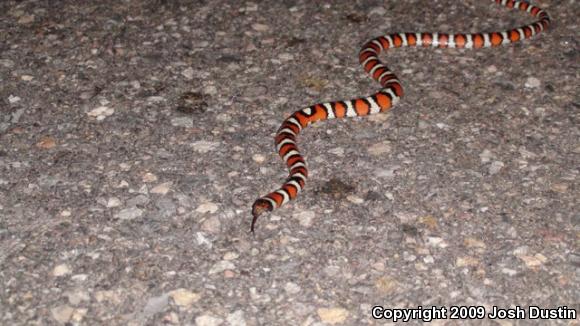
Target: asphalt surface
{"x": 135, "y": 135}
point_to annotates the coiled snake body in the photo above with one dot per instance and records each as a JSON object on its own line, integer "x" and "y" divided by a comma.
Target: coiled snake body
{"x": 390, "y": 93}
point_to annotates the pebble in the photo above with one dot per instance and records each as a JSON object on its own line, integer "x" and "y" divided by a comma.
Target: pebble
{"x": 386, "y": 284}
{"x": 203, "y": 146}
{"x": 201, "y": 239}
{"x": 509, "y": 271}
{"x": 211, "y": 225}
{"x": 260, "y": 27}
{"x": 46, "y": 142}
{"x": 207, "y": 320}
{"x": 138, "y": 200}
{"x": 474, "y": 243}
{"x": 436, "y": 242}
{"x": 77, "y": 297}
{"x": 184, "y": 122}
{"x": 292, "y": 288}
{"x": 285, "y": 56}
{"x": 230, "y": 255}
{"x": 166, "y": 207}
{"x": 495, "y": 167}
{"x": 207, "y": 207}
{"x": 184, "y": 298}
{"x": 155, "y": 305}
{"x": 532, "y": 82}
{"x": 26, "y": 19}
{"x": 149, "y": 177}
{"x": 236, "y": 318}
{"x": 62, "y": 314}
{"x": 26, "y": 77}
{"x": 6, "y": 63}
{"x": 355, "y": 199}
{"x": 305, "y": 217}
{"x": 161, "y": 189}
{"x": 221, "y": 266}
{"x": 13, "y": 99}
{"x": 559, "y": 187}
{"x": 466, "y": 261}
{"x": 188, "y": 73}
{"x": 258, "y": 158}
{"x": 61, "y": 270}
{"x": 210, "y": 90}
{"x": 113, "y": 202}
{"x": 332, "y": 315}
{"x": 533, "y": 261}
{"x": 379, "y": 11}
{"x": 485, "y": 156}
{"x": 129, "y": 213}
{"x": 101, "y": 112}
{"x": 338, "y": 151}
{"x": 79, "y": 277}
{"x": 380, "y": 148}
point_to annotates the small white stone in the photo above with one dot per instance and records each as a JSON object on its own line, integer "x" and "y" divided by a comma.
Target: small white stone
{"x": 155, "y": 99}
{"x": 26, "y": 19}
{"x": 62, "y": 314}
{"x": 184, "y": 297}
{"x": 258, "y": 158}
{"x": 27, "y": 77}
{"x": 338, "y": 151}
{"x": 292, "y": 288}
{"x": 332, "y": 315}
{"x": 236, "y": 318}
{"x": 77, "y": 297}
{"x": 207, "y": 320}
{"x": 185, "y": 122}
{"x": 509, "y": 271}
{"x": 188, "y": 73}
{"x": 161, "y": 189}
{"x": 355, "y": 199}
{"x": 485, "y": 156}
{"x": 203, "y": 146}
{"x": 207, "y": 207}
{"x": 6, "y": 63}
{"x": 379, "y": 11}
{"x": 210, "y": 90}
{"x": 149, "y": 177}
{"x": 201, "y": 239}
{"x": 221, "y": 266}
{"x": 380, "y": 148}
{"x": 285, "y": 56}
{"x": 305, "y": 217}
{"x": 260, "y": 27}
{"x": 13, "y": 99}
{"x": 230, "y": 255}
{"x": 61, "y": 270}
{"x": 129, "y": 213}
{"x": 495, "y": 167}
{"x": 113, "y": 202}
{"x": 101, "y": 112}
{"x": 79, "y": 277}
{"x": 532, "y": 82}
{"x": 436, "y": 242}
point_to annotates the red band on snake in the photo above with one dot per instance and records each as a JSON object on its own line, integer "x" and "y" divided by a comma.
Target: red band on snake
{"x": 390, "y": 93}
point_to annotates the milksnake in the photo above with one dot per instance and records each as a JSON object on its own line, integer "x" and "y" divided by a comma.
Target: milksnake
{"x": 389, "y": 95}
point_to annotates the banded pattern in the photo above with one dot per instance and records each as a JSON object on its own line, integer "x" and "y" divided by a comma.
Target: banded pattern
{"x": 390, "y": 93}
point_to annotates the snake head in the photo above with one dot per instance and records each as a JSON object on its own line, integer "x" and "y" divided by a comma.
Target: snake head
{"x": 260, "y": 206}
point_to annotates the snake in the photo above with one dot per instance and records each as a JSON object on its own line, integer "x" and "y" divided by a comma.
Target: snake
{"x": 383, "y": 100}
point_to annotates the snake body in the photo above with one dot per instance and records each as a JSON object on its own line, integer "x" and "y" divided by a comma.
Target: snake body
{"x": 389, "y": 95}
